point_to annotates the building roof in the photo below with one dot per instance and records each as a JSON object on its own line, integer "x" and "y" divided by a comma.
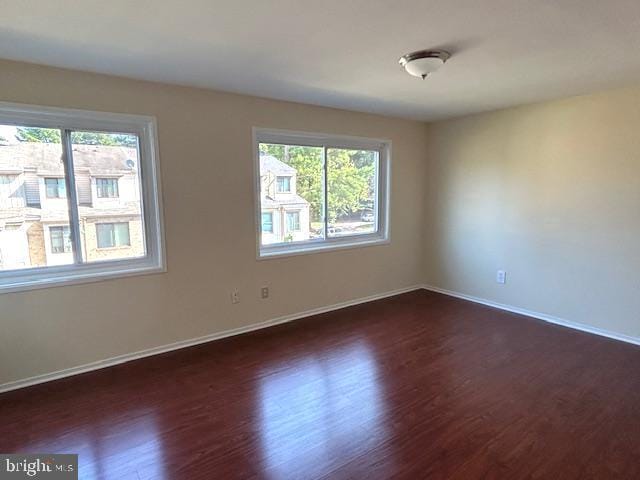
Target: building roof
{"x": 269, "y": 163}
{"x": 46, "y": 158}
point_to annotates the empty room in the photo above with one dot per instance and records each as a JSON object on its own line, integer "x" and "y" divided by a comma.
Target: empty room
{"x": 320, "y": 240}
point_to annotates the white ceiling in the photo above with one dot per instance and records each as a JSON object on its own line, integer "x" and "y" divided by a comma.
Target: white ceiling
{"x": 341, "y": 53}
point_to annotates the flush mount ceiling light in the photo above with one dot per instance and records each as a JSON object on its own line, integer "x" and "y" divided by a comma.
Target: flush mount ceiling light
{"x": 422, "y": 63}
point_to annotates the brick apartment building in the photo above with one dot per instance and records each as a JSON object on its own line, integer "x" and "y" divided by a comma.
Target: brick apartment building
{"x": 34, "y": 213}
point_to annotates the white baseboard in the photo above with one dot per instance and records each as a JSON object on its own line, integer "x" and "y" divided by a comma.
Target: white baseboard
{"x": 68, "y": 372}
{"x": 108, "y": 362}
{"x": 540, "y": 316}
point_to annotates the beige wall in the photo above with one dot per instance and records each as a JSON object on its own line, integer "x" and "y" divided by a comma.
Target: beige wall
{"x": 205, "y": 153}
{"x": 551, "y": 194}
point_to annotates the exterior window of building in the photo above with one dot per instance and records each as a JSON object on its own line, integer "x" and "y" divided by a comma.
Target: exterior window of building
{"x": 52, "y": 153}
{"x": 267, "y": 222}
{"x": 12, "y": 194}
{"x": 110, "y": 235}
{"x": 60, "y": 239}
{"x": 337, "y": 191}
{"x": 284, "y": 184}
{"x": 55, "y": 187}
{"x": 293, "y": 221}
{"x": 107, "y": 187}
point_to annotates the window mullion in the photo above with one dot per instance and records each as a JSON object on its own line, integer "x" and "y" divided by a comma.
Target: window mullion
{"x": 325, "y": 192}
{"x": 72, "y": 196}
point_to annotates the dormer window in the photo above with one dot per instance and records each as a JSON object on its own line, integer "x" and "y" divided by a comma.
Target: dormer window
{"x": 284, "y": 184}
{"x": 55, "y": 187}
{"x": 107, "y": 187}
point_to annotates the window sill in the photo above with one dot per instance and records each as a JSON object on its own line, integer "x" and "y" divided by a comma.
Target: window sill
{"x": 290, "y": 250}
{"x": 57, "y": 276}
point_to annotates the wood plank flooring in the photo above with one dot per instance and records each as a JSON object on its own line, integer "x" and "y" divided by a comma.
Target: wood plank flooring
{"x": 415, "y": 386}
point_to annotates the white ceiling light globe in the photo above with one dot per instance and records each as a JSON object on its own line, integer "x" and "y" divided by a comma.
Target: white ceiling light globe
{"x": 421, "y": 64}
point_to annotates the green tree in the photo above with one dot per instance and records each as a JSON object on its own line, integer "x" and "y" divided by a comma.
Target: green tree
{"x": 125, "y": 140}
{"x": 51, "y": 135}
{"x": 350, "y": 177}
{"x": 38, "y": 135}
{"x": 308, "y": 164}
{"x": 350, "y": 181}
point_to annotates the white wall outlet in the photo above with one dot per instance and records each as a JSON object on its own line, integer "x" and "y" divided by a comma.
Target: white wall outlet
{"x": 264, "y": 292}
{"x": 501, "y": 276}
{"x": 235, "y": 296}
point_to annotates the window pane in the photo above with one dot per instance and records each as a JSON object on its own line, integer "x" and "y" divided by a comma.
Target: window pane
{"x": 104, "y": 234}
{"x": 284, "y": 184}
{"x": 351, "y": 191}
{"x": 121, "y": 234}
{"x": 55, "y": 187}
{"x": 60, "y": 239}
{"x": 267, "y": 222}
{"x": 107, "y": 173}
{"x": 30, "y": 168}
{"x": 291, "y": 177}
{"x": 107, "y": 187}
{"x": 293, "y": 221}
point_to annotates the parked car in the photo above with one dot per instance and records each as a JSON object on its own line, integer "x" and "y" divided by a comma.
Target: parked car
{"x": 367, "y": 216}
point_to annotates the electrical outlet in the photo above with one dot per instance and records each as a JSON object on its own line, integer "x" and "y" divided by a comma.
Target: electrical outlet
{"x": 501, "y": 276}
{"x": 264, "y": 292}
{"x": 235, "y": 296}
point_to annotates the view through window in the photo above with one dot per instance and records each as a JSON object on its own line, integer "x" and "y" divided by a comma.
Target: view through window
{"x": 313, "y": 195}
{"x": 34, "y": 205}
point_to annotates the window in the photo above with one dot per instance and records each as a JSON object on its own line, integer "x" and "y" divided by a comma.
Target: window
{"x": 340, "y": 185}
{"x": 284, "y": 184}
{"x": 107, "y": 187}
{"x": 110, "y": 235}
{"x": 80, "y": 236}
{"x": 11, "y": 192}
{"x": 293, "y": 221}
{"x": 55, "y": 187}
{"x": 60, "y": 239}
{"x": 267, "y": 222}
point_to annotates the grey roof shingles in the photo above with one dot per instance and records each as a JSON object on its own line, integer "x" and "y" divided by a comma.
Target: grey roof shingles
{"x": 46, "y": 158}
{"x": 269, "y": 163}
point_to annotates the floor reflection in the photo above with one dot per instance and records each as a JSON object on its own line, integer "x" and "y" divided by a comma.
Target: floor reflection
{"x": 112, "y": 448}
{"x": 131, "y": 449}
{"x": 318, "y": 407}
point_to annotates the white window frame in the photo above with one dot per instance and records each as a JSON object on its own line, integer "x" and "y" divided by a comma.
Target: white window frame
{"x": 151, "y": 197}
{"x": 288, "y": 137}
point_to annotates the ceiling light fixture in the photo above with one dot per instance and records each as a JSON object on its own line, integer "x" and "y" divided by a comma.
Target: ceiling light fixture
{"x": 422, "y": 63}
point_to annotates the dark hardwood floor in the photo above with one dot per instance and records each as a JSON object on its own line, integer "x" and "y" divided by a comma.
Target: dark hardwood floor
{"x": 416, "y": 386}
